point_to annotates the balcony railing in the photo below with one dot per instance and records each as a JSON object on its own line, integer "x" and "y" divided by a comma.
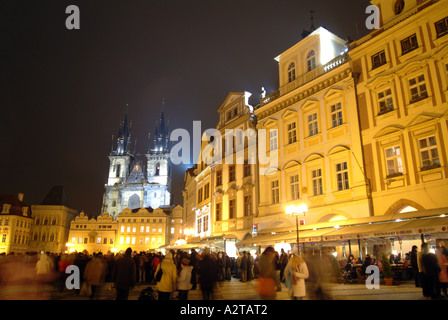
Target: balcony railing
{"x": 305, "y": 78}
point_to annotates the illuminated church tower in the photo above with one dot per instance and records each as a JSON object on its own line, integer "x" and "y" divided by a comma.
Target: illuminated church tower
{"x": 138, "y": 180}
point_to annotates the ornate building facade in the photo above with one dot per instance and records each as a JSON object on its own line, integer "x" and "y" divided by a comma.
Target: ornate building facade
{"x": 136, "y": 180}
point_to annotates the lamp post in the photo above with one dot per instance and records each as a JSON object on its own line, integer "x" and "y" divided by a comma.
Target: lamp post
{"x": 297, "y": 211}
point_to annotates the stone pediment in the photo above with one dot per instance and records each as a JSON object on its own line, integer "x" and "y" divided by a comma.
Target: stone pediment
{"x": 389, "y": 130}
{"x": 424, "y": 117}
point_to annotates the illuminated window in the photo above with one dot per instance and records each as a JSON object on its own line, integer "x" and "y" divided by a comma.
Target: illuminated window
{"x": 311, "y": 60}
{"x": 218, "y": 212}
{"x": 122, "y": 228}
{"x": 417, "y": 88}
{"x": 316, "y": 177}
{"x": 342, "y": 176}
{"x": 275, "y": 192}
{"x": 394, "y": 162}
{"x": 247, "y": 206}
{"x": 128, "y": 240}
{"x": 219, "y": 178}
{"x": 232, "y": 209}
{"x": 231, "y": 173}
{"x": 98, "y": 240}
{"x": 385, "y": 101}
{"x": 273, "y": 139}
{"x": 292, "y": 133}
{"x": 313, "y": 127}
{"x": 336, "y": 114}
{"x": 172, "y": 230}
{"x": 205, "y": 223}
{"x": 291, "y": 72}
{"x": 142, "y": 229}
{"x": 429, "y": 154}
{"x": 133, "y": 240}
{"x": 147, "y": 229}
{"x": 294, "y": 181}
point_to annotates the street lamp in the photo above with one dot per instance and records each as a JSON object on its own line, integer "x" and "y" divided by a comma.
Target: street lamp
{"x": 297, "y": 211}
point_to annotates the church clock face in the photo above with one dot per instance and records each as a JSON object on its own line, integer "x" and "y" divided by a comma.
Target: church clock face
{"x": 399, "y": 6}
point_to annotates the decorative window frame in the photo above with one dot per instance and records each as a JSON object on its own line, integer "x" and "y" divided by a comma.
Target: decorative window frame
{"x": 337, "y": 155}
{"x": 313, "y": 162}
{"x": 412, "y": 71}
{"x": 402, "y": 57}
{"x": 308, "y": 108}
{"x": 289, "y": 117}
{"x": 292, "y": 168}
{"x": 331, "y": 98}
{"x": 376, "y": 87}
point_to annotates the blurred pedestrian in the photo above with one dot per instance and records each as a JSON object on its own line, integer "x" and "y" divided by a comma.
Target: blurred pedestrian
{"x": 443, "y": 275}
{"x": 243, "y": 267}
{"x": 168, "y": 282}
{"x": 296, "y": 272}
{"x": 94, "y": 273}
{"x": 184, "y": 279}
{"x": 283, "y": 264}
{"x": 124, "y": 275}
{"x": 266, "y": 287}
{"x": 194, "y": 263}
{"x": 208, "y": 275}
{"x": 414, "y": 266}
{"x": 431, "y": 270}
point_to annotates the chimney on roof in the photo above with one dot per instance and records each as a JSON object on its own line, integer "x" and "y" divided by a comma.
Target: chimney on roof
{"x": 20, "y": 196}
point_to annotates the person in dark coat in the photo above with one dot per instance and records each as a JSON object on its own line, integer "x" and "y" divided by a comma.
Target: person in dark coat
{"x": 414, "y": 266}
{"x": 431, "y": 270}
{"x": 195, "y": 264}
{"x": 124, "y": 275}
{"x": 243, "y": 267}
{"x": 208, "y": 276}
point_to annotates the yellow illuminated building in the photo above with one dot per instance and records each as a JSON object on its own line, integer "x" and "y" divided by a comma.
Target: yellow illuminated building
{"x": 312, "y": 129}
{"x": 402, "y": 92}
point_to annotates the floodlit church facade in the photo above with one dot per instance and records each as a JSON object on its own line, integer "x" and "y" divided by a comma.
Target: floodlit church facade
{"x": 138, "y": 180}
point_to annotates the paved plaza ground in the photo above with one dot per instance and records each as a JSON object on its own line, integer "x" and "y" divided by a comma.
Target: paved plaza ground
{"x": 236, "y": 290}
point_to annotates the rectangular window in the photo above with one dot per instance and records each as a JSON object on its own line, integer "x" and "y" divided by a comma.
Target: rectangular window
{"x": 378, "y": 59}
{"x": 417, "y": 88}
{"x": 231, "y": 173}
{"x": 218, "y": 212}
{"x": 206, "y": 223}
{"x": 207, "y": 191}
{"x": 385, "y": 101}
{"x": 200, "y": 195}
{"x": 219, "y": 178}
{"x": 408, "y": 44}
{"x": 199, "y": 225}
{"x": 312, "y": 125}
{"x": 231, "y": 209}
{"x": 275, "y": 191}
{"x": 105, "y": 241}
{"x": 442, "y": 27}
{"x": 429, "y": 153}
{"x": 292, "y": 133}
{"x": 273, "y": 139}
{"x": 394, "y": 163}
{"x": 98, "y": 240}
{"x": 294, "y": 180}
{"x": 246, "y": 169}
{"x": 336, "y": 114}
{"x": 342, "y": 176}
{"x": 247, "y": 206}
{"x": 316, "y": 177}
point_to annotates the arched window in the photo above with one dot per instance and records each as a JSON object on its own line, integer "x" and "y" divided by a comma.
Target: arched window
{"x": 292, "y": 72}
{"x": 311, "y": 60}
{"x": 157, "y": 169}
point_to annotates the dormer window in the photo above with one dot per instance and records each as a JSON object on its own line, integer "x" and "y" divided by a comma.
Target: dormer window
{"x": 311, "y": 60}
{"x": 292, "y": 72}
{"x": 231, "y": 114}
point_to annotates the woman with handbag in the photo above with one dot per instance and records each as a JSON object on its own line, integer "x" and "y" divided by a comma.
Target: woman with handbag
{"x": 296, "y": 272}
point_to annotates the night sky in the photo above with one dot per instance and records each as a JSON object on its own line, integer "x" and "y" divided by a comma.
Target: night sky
{"x": 63, "y": 92}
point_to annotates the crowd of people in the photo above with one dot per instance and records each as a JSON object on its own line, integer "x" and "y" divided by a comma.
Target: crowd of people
{"x": 175, "y": 274}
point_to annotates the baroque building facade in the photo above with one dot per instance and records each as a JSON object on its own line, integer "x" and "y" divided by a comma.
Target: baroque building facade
{"x": 312, "y": 129}
{"x": 15, "y": 224}
{"x": 402, "y": 91}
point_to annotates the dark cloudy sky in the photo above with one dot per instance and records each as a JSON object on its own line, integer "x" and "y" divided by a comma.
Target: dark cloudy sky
{"x": 63, "y": 92}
